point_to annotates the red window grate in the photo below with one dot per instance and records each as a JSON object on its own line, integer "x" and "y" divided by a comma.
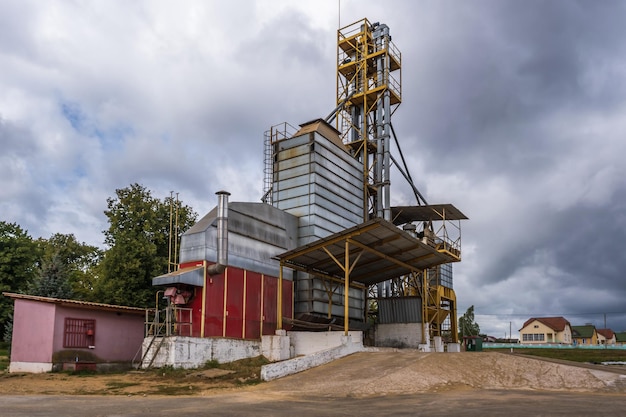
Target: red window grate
{"x": 79, "y": 333}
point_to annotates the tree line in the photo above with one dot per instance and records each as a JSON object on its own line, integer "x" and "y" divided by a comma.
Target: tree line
{"x": 137, "y": 248}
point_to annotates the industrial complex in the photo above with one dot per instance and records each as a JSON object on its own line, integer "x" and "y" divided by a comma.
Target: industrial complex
{"x": 323, "y": 261}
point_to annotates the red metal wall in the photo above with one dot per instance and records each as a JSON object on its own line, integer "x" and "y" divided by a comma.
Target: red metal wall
{"x": 239, "y": 304}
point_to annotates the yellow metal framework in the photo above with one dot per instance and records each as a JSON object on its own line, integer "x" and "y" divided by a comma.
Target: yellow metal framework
{"x": 366, "y": 254}
{"x": 366, "y": 65}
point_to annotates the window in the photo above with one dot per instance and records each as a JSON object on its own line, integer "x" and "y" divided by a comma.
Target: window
{"x": 79, "y": 333}
{"x": 533, "y": 337}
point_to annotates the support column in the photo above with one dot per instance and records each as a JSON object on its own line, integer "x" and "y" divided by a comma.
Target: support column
{"x": 279, "y": 310}
{"x": 346, "y": 298}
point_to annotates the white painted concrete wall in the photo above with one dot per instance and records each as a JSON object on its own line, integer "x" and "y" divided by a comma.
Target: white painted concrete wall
{"x": 193, "y": 352}
{"x": 30, "y": 367}
{"x": 280, "y": 369}
{"x": 306, "y": 343}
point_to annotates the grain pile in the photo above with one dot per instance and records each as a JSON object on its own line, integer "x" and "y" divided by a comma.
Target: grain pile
{"x": 408, "y": 371}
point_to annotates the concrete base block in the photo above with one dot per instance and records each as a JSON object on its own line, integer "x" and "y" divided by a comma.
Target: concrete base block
{"x": 276, "y": 348}
{"x": 437, "y": 344}
{"x": 454, "y": 347}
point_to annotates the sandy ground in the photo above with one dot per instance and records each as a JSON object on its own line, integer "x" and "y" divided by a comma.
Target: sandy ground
{"x": 405, "y": 372}
{"x": 360, "y": 375}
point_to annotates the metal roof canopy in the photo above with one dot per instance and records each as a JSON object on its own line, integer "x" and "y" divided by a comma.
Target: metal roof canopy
{"x": 368, "y": 253}
{"x": 378, "y": 251}
{"x": 432, "y": 212}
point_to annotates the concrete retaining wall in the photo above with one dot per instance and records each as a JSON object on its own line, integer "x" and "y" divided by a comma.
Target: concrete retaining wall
{"x": 306, "y": 343}
{"x": 276, "y": 370}
{"x": 193, "y": 352}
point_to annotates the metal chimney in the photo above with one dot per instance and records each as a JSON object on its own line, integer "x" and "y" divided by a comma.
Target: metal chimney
{"x": 222, "y": 234}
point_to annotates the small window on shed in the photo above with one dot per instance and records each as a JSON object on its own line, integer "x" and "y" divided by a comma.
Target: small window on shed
{"x": 79, "y": 333}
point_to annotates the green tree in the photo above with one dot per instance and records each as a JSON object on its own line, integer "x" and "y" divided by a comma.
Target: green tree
{"x": 19, "y": 259}
{"x": 64, "y": 256}
{"x": 138, "y": 241}
{"x": 52, "y": 280}
{"x": 467, "y": 325}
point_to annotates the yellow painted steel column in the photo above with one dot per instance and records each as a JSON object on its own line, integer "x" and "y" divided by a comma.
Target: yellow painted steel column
{"x": 225, "y": 302}
{"x": 262, "y": 304}
{"x": 279, "y": 310}
{"x": 204, "y": 290}
{"x": 245, "y": 292}
{"x": 424, "y": 303}
{"x": 346, "y": 308}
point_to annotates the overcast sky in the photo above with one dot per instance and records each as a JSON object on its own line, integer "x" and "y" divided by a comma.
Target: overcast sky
{"x": 515, "y": 112}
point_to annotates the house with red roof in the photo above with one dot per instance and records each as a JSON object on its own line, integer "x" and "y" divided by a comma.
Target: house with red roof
{"x": 606, "y": 336}
{"x": 540, "y": 330}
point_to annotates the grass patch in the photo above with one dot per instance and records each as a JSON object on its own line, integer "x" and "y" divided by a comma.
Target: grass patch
{"x": 575, "y": 355}
{"x": 175, "y": 390}
{"x": 4, "y": 359}
{"x": 117, "y": 385}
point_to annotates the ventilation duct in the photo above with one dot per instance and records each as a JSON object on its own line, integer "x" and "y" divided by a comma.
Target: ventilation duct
{"x": 222, "y": 234}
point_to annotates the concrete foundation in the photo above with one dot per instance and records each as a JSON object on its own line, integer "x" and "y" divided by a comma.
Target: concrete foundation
{"x": 30, "y": 367}
{"x": 193, "y": 352}
{"x": 276, "y": 348}
{"x": 306, "y": 343}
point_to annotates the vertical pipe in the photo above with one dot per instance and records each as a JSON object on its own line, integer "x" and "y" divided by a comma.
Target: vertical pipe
{"x": 222, "y": 234}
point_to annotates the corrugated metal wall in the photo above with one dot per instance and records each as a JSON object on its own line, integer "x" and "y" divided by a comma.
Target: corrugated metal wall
{"x": 399, "y": 310}
{"x": 319, "y": 182}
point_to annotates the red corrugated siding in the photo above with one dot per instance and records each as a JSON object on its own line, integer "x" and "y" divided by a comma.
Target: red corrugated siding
{"x": 270, "y": 287}
{"x": 244, "y": 314}
{"x": 253, "y": 305}
{"x": 234, "y": 303}
{"x": 214, "y": 309}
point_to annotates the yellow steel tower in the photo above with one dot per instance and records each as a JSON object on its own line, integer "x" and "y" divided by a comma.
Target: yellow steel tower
{"x": 368, "y": 93}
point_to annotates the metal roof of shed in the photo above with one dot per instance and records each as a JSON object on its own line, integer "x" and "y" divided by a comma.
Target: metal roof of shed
{"x": 432, "y": 212}
{"x": 377, "y": 251}
{"x": 76, "y": 303}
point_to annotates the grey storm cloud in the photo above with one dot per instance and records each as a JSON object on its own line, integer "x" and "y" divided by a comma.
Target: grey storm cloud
{"x": 512, "y": 111}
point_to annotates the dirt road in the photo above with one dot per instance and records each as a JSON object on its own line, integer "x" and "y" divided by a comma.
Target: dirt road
{"x": 366, "y": 384}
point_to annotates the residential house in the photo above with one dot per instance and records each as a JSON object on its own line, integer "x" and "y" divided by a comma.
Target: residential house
{"x": 606, "y": 336}
{"x": 585, "y": 335}
{"x": 620, "y": 339}
{"x": 50, "y": 333}
{"x": 538, "y": 330}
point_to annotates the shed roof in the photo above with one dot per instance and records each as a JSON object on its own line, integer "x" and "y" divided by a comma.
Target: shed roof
{"x": 76, "y": 303}
{"x": 432, "y": 212}
{"x": 555, "y": 323}
{"x": 377, "y": 251}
